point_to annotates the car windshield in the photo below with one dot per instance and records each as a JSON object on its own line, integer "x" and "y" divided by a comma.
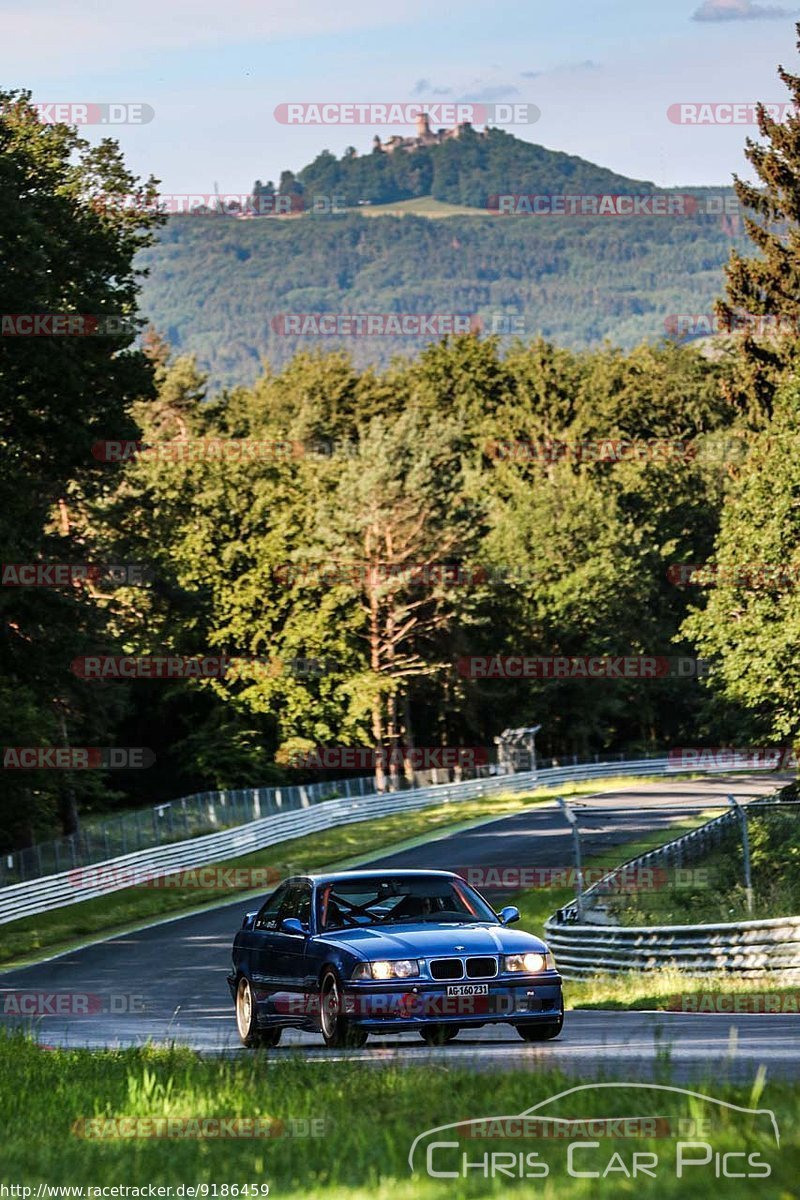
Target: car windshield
{"x": 393, "y": 900}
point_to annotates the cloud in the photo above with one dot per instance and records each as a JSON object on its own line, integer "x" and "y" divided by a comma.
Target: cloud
{"x": 424, "y": 87}
{"x": 493, "y": 92}
{"x": 739, "y": 10}
{"x": 587, "y": 65}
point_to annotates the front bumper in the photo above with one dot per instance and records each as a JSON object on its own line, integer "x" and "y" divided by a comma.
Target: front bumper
{"x": 411, "y": 1005}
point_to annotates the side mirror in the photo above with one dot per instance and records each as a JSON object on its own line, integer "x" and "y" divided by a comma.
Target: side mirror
{"x": 292, "y": 925}
{"x": 509, "y": 915}
{"x": 249, "y": 919}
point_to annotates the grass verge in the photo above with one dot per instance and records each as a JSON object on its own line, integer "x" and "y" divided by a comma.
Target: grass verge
{"x": 672, "y": 990}
{"x": 371, "y": 1114}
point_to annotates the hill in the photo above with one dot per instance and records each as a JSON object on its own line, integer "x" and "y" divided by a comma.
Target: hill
{"x": 216, "y": 285}
{"x": 220, "y": 287}
{"x": 466, "y": 170}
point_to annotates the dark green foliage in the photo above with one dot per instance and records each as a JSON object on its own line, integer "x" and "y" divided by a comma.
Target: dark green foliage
{"x": 216, "y": 284}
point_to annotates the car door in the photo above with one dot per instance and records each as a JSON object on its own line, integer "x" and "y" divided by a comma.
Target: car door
{"x": 259, "y": 941}
{"x": 289, "y": 958}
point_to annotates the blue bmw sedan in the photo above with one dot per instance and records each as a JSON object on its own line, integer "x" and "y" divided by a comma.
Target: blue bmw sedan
{"x": 360, "y": 952}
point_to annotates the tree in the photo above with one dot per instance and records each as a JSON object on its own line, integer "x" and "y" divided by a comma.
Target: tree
{"x": 67, "y": 244}
{"x": 750, "y": 625}
{"x": 398, "y": 516}
{"x": 289, "y": 184}
{"x": 765, "y": 289}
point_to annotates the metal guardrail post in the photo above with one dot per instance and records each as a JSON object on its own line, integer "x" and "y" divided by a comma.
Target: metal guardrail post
{"x": 576, "y": 841}
{"x": 748, "y": 879}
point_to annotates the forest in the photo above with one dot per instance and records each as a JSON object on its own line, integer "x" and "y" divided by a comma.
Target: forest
{"x": 343, "y": 535}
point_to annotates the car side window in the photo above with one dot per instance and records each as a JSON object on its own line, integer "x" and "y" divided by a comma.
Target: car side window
{"x": 304, "y": 904}
{"x": 268, "y": 914}
{"x": 297, "y": 904}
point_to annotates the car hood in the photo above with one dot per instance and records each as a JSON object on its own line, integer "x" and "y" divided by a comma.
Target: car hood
{"x": 430, "y": 940}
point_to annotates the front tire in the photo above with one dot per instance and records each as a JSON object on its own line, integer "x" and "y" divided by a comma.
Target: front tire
{"x": 543, "y": 1031}
{"x": 337, "y": 1030}
{"x": 247, "y": 1020}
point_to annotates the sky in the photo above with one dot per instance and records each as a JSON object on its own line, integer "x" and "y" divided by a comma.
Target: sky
{"x": 603, "y": 74}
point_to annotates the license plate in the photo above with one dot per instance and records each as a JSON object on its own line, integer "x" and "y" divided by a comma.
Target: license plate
{"x": 468, "y": 989}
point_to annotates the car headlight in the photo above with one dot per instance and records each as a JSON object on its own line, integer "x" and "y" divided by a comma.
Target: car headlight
{"x": 531, "y": 963}
{"x": 403, "y": 968}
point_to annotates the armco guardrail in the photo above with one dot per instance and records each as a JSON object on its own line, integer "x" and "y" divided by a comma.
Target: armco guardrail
{"x": 100, "y": 879}
{"x": 100, "y": 839}
{"x": 747, "y": 947}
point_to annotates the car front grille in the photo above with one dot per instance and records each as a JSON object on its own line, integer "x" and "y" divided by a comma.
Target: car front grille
{"x": 458, "y": 968}
{"x": 447, "y": 968}
{"x": 481, "y": 968}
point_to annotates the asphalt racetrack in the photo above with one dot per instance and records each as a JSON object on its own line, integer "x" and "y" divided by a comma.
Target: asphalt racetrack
{"x": 167, "y": 983}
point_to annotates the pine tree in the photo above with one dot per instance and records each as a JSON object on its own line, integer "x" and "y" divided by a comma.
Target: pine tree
{"x": 763, "y": 292}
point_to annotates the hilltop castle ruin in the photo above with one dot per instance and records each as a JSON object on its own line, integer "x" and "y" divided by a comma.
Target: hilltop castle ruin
{"x": 425, "y": 136}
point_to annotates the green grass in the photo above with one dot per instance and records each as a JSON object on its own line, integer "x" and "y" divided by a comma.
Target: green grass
{"x": 372, "y": 1114}
{"x": 671, "y": 989}
{"x": 125, "y": 909}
